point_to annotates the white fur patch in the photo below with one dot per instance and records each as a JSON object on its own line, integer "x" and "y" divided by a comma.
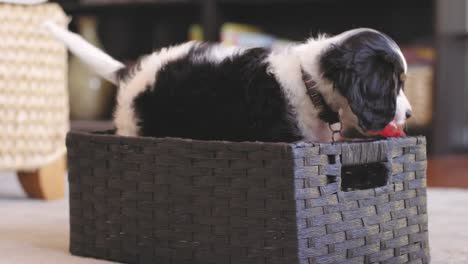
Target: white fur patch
{"x": 286, "y": 66}
{"x": 218, "y": 52}
{"x": 402, "y": 106}
{"x": 124, "y": 116}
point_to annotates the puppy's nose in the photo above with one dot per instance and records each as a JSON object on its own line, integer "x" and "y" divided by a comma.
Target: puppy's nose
{"x": 409, "y": 113}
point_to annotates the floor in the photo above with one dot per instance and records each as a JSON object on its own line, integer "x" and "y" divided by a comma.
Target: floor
{"x": 33, "y": 231}
{"x": 37, "y": 232}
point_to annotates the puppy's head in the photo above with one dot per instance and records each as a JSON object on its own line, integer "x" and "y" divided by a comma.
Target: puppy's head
{"x": 367, "y": 71}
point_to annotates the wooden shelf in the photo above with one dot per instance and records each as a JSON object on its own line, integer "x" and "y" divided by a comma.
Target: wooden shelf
{"x": 291, "y": 19}
{"x": 120, "y": 2}
{"x": 93, "y": 6}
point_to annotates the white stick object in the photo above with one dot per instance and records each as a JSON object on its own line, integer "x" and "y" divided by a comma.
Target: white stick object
{"x": 100, "y": 62}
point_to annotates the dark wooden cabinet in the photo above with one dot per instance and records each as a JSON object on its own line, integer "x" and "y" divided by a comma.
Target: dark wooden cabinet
{"x": 451, "y": 94}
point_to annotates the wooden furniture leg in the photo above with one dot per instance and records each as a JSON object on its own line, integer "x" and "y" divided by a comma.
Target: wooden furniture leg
{"x": 47, "y": 182}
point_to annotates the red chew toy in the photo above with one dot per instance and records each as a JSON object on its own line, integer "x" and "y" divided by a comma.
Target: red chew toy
{"x": 391, "y": 130}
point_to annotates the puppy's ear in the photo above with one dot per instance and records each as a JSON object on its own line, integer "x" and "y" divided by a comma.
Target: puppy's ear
{"x": 391, "y": 58}
{"x": 366, "y": 78}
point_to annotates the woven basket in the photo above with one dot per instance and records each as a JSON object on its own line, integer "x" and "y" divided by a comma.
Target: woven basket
{"x": 33, "y": 94}
{"x": 150, "y": 200}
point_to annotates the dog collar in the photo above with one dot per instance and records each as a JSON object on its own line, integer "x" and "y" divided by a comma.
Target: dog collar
{"x": 326, "y": 113}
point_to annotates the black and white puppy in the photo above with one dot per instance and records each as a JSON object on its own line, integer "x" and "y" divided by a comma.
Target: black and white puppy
{"x": 212, "y": 92}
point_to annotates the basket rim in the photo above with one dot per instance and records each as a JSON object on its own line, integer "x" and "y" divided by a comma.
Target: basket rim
{"x": 105, "y": 135}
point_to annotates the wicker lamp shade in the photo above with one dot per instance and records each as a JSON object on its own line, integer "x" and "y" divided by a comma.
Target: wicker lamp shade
{"x": 33, "y": 94}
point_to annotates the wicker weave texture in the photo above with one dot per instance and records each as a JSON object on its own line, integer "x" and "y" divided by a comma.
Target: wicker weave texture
{"x": 146, "y": 200}
{"x": 386, "y": 224}
{"x": 33, "y": 93}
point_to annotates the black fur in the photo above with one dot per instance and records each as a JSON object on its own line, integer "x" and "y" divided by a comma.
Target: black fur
{"x": 364, "y": 69}
{"x": 128, "y": 72}
{"x": 236, "y": 100}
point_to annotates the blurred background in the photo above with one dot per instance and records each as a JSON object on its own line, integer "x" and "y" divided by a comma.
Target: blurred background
{"x": 433, "y": 35}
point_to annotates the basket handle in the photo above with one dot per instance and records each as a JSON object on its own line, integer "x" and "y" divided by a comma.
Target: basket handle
{"x": 364, "y": 165}
{"x": 364, "y": 153}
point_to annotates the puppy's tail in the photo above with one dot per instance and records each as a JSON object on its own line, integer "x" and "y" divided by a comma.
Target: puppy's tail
{"x": 94, "y": 58}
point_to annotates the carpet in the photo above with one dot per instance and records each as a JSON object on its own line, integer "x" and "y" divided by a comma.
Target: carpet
{"x": 33, "y": 231}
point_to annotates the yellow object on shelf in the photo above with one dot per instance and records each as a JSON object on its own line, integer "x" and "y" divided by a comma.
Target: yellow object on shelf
{"x": 196, "y": 32}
